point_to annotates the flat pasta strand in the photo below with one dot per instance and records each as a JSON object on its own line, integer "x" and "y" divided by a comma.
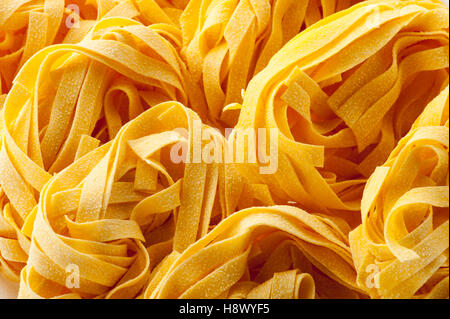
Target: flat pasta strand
{"x": 333, "y": 94}
{"x": 405, "y": 213}
{"x": 225, "y": 149}
{"x": 225, "y": 43}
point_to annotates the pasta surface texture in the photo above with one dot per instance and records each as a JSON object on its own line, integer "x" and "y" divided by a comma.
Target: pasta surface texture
{"x": 126, "y": 149}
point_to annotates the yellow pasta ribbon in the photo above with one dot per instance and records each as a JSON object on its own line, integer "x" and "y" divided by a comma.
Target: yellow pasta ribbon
{"x": 119, "y": 178}
{"x": 341, "y": 95}
{"x": 227, "y": 42}
{"x": 94, "y": 88}
{"x": 266, "y": 252}
{"x": 91, "y": 215}
{"x": 402, "y": 244}
{"x": 27, "y": 26}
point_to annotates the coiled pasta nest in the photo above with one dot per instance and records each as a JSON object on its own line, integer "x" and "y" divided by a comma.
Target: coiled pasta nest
{"x": 134, "y": 160}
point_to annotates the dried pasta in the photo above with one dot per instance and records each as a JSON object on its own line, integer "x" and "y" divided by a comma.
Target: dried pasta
{"x": 126, "y": 150}
{"x": 26, "y": 26}
{"x": 225, "y": 43}
{"x": 404, "y": 211}
{"x": 258, "y": 246}
{"x": 118, "y": 196}
{"x": 341, "y": 95}
{"x": 91, "y": 92}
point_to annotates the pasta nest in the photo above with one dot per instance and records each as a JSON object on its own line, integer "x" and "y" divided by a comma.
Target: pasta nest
{"x": 261, "y": 252}
{"x": 115, "y": 176}
{"x": 70, "y": 98}
{"x": 225, "y": 43}
{"x": 27, "y": 26}
{"x": 98, "y": 213}
{"x": 341, "y": 95}
{"x": 405, "y": 213}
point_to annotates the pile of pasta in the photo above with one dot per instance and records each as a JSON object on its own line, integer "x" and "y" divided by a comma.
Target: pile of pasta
{"x": 104, "y": 105}
{"x": 225, "y": 43}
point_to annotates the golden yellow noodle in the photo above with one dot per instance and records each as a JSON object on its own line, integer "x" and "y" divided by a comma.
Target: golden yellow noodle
{"x": 227, "y": 42}
{"x": 341, "y": 95}
{"x": 118, "y": 179}
{"x": 250, "y": 254}
{"x": 26, "y": 26}
{"x": 69, "y": 98}
{"x": 99, "y": 212}
{"x": 405, "y": 225}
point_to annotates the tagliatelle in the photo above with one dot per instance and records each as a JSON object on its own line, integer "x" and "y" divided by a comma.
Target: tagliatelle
{"x": 27, "y": 26}
{"x": 70, "y": 97}
{"x": 250, "y": 253}
{"x": 341, "y": 94}
{"x": 97, "y": 213}
{"x": 405, "y": 225}
{"x": 120, "y": 179}
{"x": 225, "y": 43}
{"x": 94, "y": 88}
{"x": 283, "y": 285}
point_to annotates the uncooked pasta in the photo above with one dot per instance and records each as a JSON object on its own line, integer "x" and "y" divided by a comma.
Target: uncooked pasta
{"x": 224, "y": 149}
